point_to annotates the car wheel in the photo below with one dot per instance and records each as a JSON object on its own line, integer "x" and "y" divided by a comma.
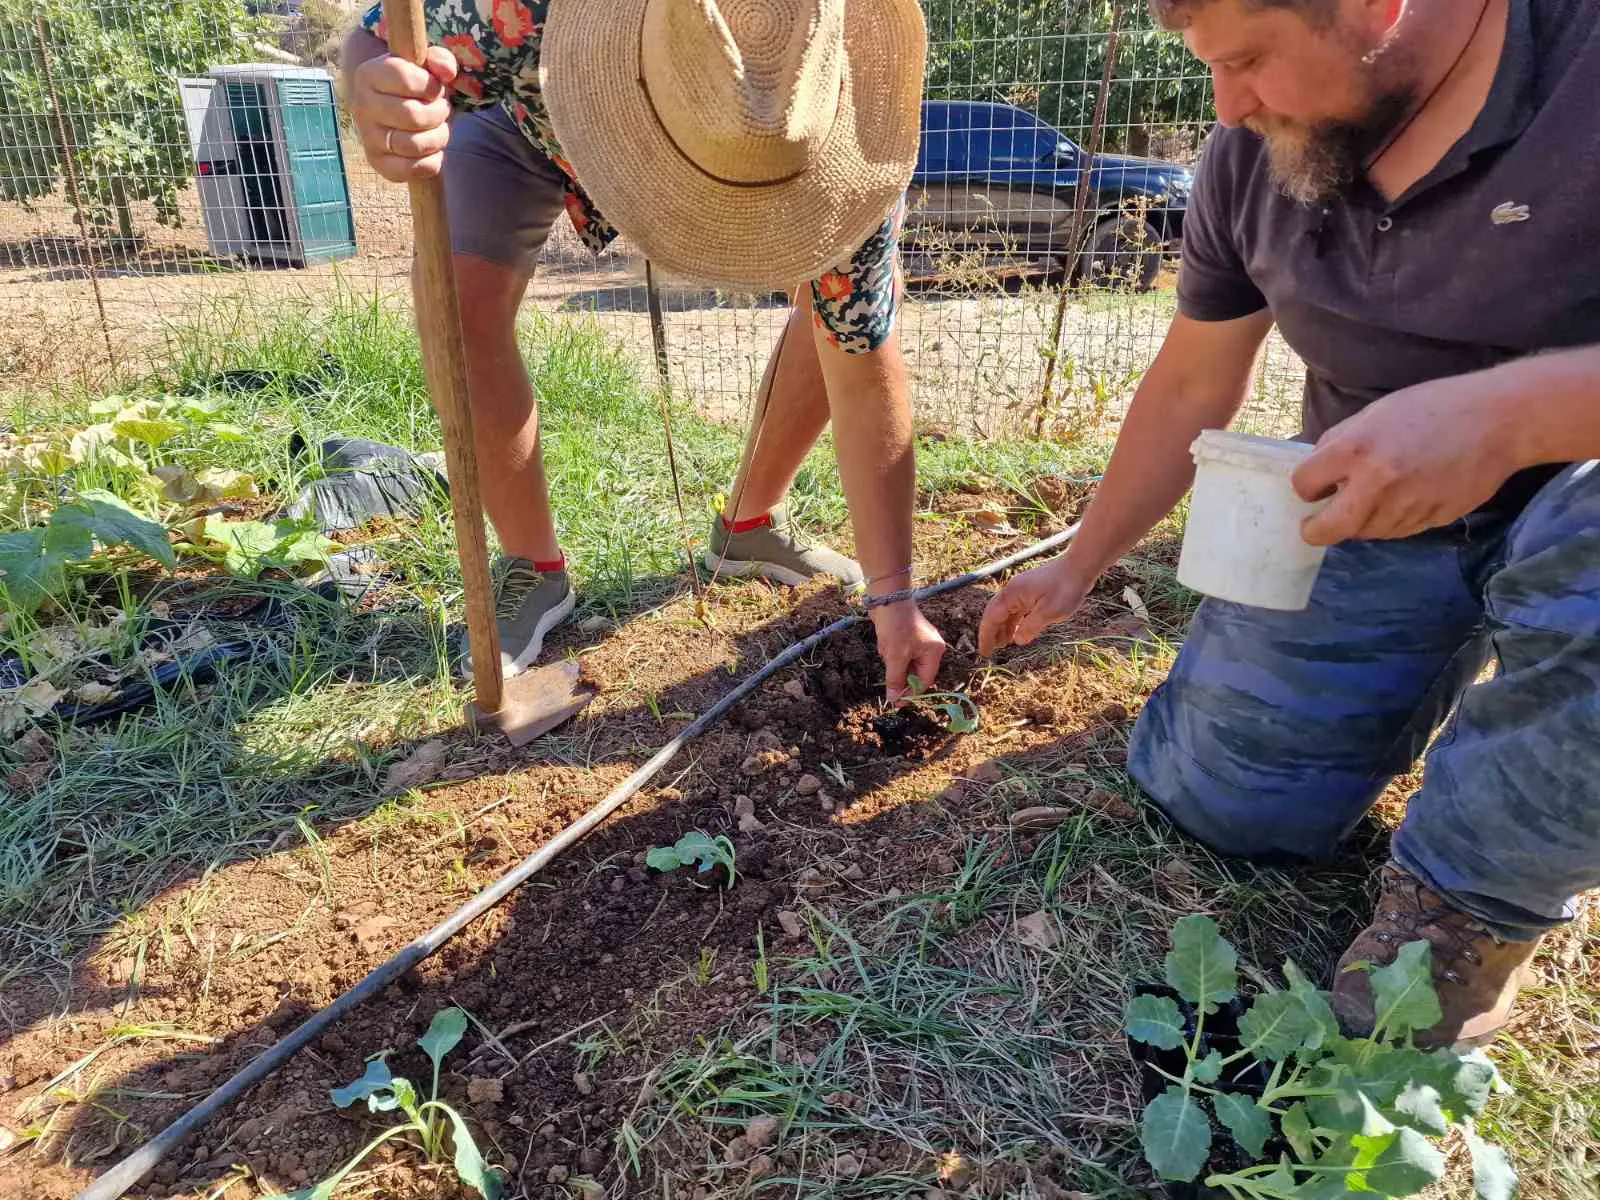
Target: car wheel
{"x": 1123, "y": 253}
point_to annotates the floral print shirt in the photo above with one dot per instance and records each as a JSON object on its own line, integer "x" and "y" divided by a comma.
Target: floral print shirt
{"x": 496, "y": 44}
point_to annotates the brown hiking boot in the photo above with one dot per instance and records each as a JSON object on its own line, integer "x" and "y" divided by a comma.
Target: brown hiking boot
{"x": 1476, "y": 973}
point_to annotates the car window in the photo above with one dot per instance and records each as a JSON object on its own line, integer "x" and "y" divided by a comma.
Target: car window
{"x": 1003, "y": 136}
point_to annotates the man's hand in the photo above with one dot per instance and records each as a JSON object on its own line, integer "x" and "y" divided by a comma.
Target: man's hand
{"x": 1415, "y": 460}
{"x": 1030, "y": 603}
{"x": 402, "y": 113}
{"x": 909, "y": 645}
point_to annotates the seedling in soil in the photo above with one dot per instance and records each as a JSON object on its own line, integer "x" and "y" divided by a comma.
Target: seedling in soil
{"x": 426, "y": 1121}
{"x": 692, "y": 848}
{"x": 1312, "y": 1115}
{"x": 960, "y": 711}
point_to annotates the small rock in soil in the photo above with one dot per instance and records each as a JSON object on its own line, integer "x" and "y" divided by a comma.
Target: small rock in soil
{"x": 743, "y": 806}
{"x": 760, "y": 764}
{"x": 794, "y": 688}
{"x": 584, "y": 1083}
{"x": 986, "y": 773}
{"x": 737, "y": 1150}
{"x": 421, "y": 766}
{"x": 595, "y": 624}
{"x": 810, "y": 882}
{"x": 825, "y": 802}
{"x": 8, "y": 1139}
{"x": 556, "y": 1175}
{"x": 618, "y": 884}
{"x": 760, "y": 1167}
{"x": 372, "y": 933}
{"x": 8, "y": 1083}
{"x": 1038, "y": 930}
{"x": 485, "y": 1089}
{"x": 547, "y": 1130}
{"x": 1111, "y": 805}
{"x": 808, "y": 785}
{"x": 761, "y": 1131}
{"x": 749, "y": 824}
{"x": 1178, "y": 870}
{"x": 854, "y": 873}
{"x": 846, "y": 1166}
{"x": 792, "y": 925}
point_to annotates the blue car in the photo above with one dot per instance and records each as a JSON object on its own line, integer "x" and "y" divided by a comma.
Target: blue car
{"x": 996, "y": 185}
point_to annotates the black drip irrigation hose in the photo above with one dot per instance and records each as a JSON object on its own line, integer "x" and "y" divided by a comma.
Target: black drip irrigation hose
{"x": 115, "y": 1182}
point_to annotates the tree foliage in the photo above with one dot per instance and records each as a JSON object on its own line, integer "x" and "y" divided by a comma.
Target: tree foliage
{"x": 1049, "y": 58}
{"x": 116, "y": 68}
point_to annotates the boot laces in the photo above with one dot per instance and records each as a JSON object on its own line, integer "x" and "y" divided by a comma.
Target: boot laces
{"x": 1416, "y": 913}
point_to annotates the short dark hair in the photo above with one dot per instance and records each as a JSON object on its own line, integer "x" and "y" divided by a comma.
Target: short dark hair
{"x": 1175, "y": 14}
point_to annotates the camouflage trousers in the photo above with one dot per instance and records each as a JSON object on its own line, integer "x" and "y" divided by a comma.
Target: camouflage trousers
{"x": 1275, "y": 732}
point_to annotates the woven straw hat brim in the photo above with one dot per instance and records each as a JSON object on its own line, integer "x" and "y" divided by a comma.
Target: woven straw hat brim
{"x": 690, "y": 224}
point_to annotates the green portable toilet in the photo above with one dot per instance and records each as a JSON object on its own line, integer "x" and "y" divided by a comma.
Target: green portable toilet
{"x": 269, "y": 163}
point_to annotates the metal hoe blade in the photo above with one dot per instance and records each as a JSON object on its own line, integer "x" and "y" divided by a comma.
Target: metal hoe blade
{"x": 536, "y": 702}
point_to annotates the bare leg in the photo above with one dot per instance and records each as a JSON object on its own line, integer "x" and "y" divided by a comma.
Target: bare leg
{"x": 791, "y": 413}
{"x": 505, "y": 413}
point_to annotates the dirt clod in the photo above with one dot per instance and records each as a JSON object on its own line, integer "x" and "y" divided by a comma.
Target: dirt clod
{"x": 1038, "y": 930}
{"x": 761, "y": 1131}
{"x": 421, "y": 766}
{"x": 790, "y": 922}
{"x": 743, "y": 806}
{"x": 485, "y": 1090}
{"x": 584, "y": 1083}
{"x": 808, "y": 785}
{"x": 986, "y": 773}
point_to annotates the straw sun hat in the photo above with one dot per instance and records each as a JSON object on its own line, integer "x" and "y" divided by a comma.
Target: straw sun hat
{"x": 741, "y": 143}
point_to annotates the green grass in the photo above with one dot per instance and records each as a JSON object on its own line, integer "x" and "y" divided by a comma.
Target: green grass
{"x": 303, "y": 728}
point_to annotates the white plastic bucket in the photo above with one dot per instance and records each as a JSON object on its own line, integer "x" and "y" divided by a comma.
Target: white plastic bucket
{"x": 1243, "y": 539}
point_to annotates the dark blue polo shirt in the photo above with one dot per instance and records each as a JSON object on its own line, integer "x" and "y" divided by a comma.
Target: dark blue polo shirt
{"x": 1493, "y": 255}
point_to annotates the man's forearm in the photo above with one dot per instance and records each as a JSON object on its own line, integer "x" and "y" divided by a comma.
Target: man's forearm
{"x": 1550, "y": 405}
{"x": 869, "y": 402}
{"x": 1197, "y": 382}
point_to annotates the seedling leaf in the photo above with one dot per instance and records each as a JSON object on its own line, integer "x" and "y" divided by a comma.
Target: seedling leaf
{"x": 1420, "y": 1105}
{"x": 470, "y": 1167}
{"x": 375, "y": 1079}
{"x": 1245, "y": 1120}
{"x": 1277, "y": 1025}
{"x": 445, "y": 1032}
{"x": 1404, "y": 993}
{"x": 1209, "y": 1068}
{"x": 1493, "y": 1177}
{"x": 1398, "y": 1163}
{"x": 1318, "y": 1011}
{"x": 663, "y": 858}
{"x": 1201, "y": 966}
{"x": 1154, "y": 1020}
{"x": 1464, "y": 1081}
{"x": 1296, "y": 1127}
{"x": 1176, "y": 1135}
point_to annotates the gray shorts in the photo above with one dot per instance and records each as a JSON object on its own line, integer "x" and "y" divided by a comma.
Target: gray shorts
{"x": 504, "y": 196}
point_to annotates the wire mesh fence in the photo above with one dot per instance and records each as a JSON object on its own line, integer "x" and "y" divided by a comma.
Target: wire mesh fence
{"x": 161, "y": 161}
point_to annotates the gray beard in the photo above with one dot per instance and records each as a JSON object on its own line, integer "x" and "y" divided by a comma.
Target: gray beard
{"x": 1320, "y": 161}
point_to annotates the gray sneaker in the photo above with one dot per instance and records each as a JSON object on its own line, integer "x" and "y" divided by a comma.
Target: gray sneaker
{"x": 528, "y": 605}
{"x": 776, "y": 552}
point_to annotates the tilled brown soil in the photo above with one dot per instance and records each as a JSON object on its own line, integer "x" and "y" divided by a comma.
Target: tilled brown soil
{"x": 591, "y": 973}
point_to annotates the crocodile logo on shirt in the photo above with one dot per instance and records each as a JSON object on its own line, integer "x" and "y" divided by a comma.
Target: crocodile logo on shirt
{"x": 1509, "y": 213}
